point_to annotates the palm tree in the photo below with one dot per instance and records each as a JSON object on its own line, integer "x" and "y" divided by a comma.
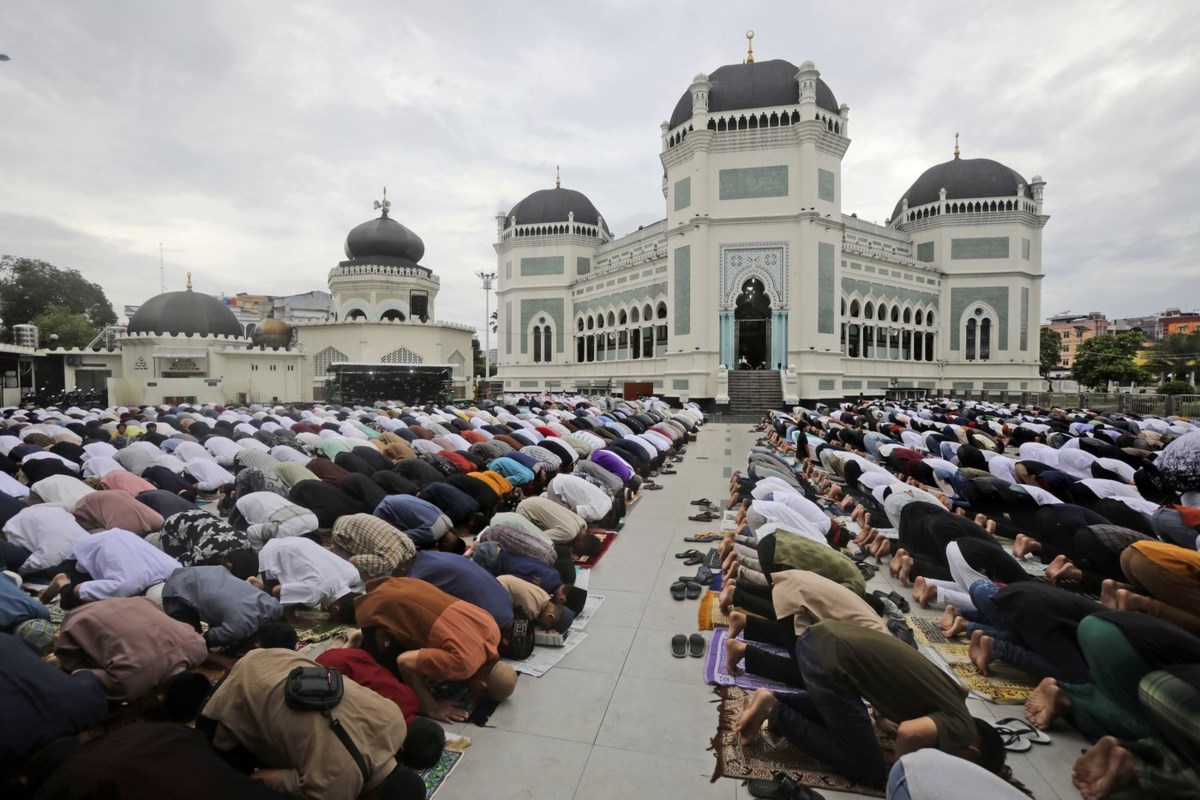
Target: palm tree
{"x": 1176, "y": 355}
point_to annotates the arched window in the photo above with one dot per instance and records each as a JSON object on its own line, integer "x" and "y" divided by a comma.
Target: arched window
{"x": 869, "y": 310}
{"x": 929, "y": 318}
{"x": 920, "y": 317}
{"x": 591, "y": 323}
{"x": 612, "y": 319}
{"x": 972, "y": 327}
{"x": 908, "y": 316}
{"x": 881, "y": 313}
{"x": 579, "y": 324}
{"x": 985, "y": 339}
{"x": 393, "y": 315}
{"x": 623, "y": 318}
{"x": 854, "y": 308}
{"x": 355, "y": 315}
{"x": 843, "y": 306}
{"x": 895, "y": 313}
{"x": 635, "y": 315}
{"x": 979, "y": 328}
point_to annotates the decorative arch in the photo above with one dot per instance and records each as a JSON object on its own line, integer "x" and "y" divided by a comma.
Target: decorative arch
{"x": 402, "y": 355}
{"x": 392, "y": 315}
{"x": 330, "y": 355}
{"x": 459, "y": 364}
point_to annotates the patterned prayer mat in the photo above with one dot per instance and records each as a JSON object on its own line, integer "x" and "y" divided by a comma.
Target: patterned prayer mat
{"x": 588, "y": 562}
{"x": 716, "y": 674}
{"x": 1007, "y": 685}
{"x": 710, "y": 614}
{"x": 760, "y": 760}
{"x": 436, "y": 775}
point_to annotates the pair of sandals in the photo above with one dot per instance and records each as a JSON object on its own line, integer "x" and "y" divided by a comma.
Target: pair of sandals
{"x": 1018, "y": 735}
{"x": 691, "y": 557}
{"x": 705, "y": 516}
{"x": 693, "y": 645}
{"x": 690, "y": 586}
{"x": 781, "y": 787}
{"x": 896, "y": 598}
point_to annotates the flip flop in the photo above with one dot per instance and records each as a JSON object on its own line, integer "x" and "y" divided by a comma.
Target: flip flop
{"x": 895, "y": 597}
{"x": 679, "y": 645}
{"x": 1013, "y": 741}
{"x": 689, "y": 554}
{"x": 679, "y": 590}
{"x": 693, "y": 590}
{"x": 703, "y": 501}
{"x": 697, "y": 644}
{"x": 704, "y": 538}
{"x": 651, "y": 486}
{"x": 704, "y": 516}
{"x": 901, "y": 631}
{"x": 668, "y": 471}
{"x": 781, "y": 787}
{"x": 1023, "y": 729}
{"x": 694, "y": 560}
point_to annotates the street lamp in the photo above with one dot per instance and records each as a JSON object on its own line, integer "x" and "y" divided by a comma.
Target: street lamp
{"x": 488, "y": 279}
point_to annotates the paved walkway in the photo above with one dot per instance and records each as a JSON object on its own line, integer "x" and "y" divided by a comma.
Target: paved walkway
{"x": 620, "y": 717}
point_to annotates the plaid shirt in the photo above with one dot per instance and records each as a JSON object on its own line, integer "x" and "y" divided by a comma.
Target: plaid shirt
{"x": 375, "y": 547}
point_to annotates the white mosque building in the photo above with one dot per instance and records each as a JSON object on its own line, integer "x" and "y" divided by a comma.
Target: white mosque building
{"x": 756, "y": 287}
{"x": 381, "y": 340}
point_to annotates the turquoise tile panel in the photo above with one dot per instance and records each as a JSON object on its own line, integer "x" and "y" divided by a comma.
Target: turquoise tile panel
{"x": 825, "y": 286}
{"x": 682, "y": 290}
{"x": 541, "y": 265}
{"x": 753, "y": 182}
{"x": 977, "y": 247}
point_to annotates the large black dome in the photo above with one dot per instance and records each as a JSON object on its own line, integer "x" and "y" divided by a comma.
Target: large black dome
{"x": 384, "y": 237}
{"x": 759, "y": 84}
{"x": 189, "y": 313}
{"x": 963, "y": 178}
{"x": 554, "y": 205}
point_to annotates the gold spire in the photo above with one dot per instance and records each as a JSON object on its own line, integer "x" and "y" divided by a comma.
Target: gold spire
{"x": 749, "y": 47}
{"x": 557, "y": 178}
{"x": 189, "y": 283}
{"x": 956, "y": 144}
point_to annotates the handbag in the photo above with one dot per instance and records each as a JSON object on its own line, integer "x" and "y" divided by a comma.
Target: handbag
{"x": 321, "y": 689}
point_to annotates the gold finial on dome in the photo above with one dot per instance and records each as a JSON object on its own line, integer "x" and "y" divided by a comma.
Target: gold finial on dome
{"x": 557, "y": 177}
{"x": 189, "y": 283}
{"x": 956, "y": 144}
{"x": 749, "y": 47}
{"x": 383, "y": 204}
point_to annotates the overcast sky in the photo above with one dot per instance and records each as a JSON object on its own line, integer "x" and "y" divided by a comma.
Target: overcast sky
{"x": 249, "y": 138}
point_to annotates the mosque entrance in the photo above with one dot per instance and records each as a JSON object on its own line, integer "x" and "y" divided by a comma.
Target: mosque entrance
{"x": 751, "y": 326}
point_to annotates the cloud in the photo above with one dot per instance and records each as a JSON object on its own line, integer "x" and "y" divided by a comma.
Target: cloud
{"x": 250, "y": 138}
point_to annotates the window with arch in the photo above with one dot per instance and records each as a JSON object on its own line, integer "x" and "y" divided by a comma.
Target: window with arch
{"x": 978, "y": 334}
{"x": 660, "y": 330}
{"x": 542, "y": 333}
{"x": 393, "y": 315}
{"x": 869, "y": 310}
{"x": 855, "y": 309}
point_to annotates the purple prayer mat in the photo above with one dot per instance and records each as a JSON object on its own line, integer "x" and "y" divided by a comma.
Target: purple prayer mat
{"x": 714, "y": 667}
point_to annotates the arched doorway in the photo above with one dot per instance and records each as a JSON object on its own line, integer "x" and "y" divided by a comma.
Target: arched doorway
{"x": 752, "y": 331}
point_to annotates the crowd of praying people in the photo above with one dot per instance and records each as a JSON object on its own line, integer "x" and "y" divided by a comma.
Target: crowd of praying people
{"x": 1061, "y": 542}
{"x": 147, "y": 551}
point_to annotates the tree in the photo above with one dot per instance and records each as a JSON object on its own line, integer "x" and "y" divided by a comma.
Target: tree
{"x": 1051, "y": 352}
{"x": 71, "y": 329}
{"x": 1109, "y": 357}
{"x": 1176, "y": 387}
{"x": 30, "y": 288}
{"x": 477, "y": 357}
{"x": 1175, "y": 356}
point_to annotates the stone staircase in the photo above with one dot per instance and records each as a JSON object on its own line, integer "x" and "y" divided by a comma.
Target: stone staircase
{"x": 754, "y": 391}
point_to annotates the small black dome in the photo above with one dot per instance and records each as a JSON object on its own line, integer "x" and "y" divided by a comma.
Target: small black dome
{"x": 555, "y": 205}
{"x": 759, "y": 84}
{"x": 384, "y": 237}
{"x": 189, "y": 313}
{"x": 963, "y": 178}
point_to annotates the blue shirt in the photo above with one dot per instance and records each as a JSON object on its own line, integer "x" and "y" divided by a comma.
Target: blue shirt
{"x": 515, "y": 472}
{"x": 414, "y": 516}
{"x": 17, "y": 607}
{"x": 459, "y": 576}
{"x": 530, "y": 569}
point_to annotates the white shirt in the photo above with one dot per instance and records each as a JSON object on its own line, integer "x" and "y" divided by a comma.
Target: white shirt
{"x": 61, "y": 490}
{"x": 190, "y": 451}
{"x": 99, "y": 466}
{"x": 223, "y": 449}
{"x": 806, "y": 508}
{"x": 784, "y": 516}
{"x": 209, "y": 475}
{"x": 308, "y": 574}
{"x": 261, "y": 510}
{"x": 47, "y": 532}
{"x": 120, "y": 563}
{"x": 46, "y": 454}
{"x": 285, "y": 453}
{"x": 94, "y": 449}
{"x": 12, "y": 487}
{"x": 587, "y": 500}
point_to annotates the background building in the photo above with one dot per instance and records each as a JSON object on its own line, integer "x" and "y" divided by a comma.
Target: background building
{"x": 1075, "y": 329}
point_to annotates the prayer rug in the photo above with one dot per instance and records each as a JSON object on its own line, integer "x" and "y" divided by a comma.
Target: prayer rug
{"x": 710, "y": 614}
{"x": 716, "y": 674}
{"x": 762, "y": 760}
{"x": 436, "y": 775}
{"x": 1006, "y": 685}
{"x": 588, "y": 562}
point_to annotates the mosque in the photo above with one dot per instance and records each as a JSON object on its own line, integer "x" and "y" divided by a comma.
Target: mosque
{"x": 381, "y": 339}
{"x": 756, "y": 287}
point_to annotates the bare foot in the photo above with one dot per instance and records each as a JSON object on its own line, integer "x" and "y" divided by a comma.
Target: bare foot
{"x": 1132, "y": 601}
{"x": 57, "y": 584}
{"x": 735, "y": 651}
{"x": 1060, "y": 569}
{"x": 1108, "y": 594}
{"x": 1046, "y": 703}
{"x": 962, "y": 512}
{"x": 846, "y": 502}
{"x": 751, "y": 720}
{"x": 927, "y": 593}
{"x": 737, "y": 624}
{"x": 726, "y": 601}
{"x": 906, "y": 565}
{"x": 991, "y": 526}
{"x": 948, "y": 616}
{"x": 1024, "y": 545}
{"x": 894, "y": 567}
{"x": 355, "y": 638}
{"x": 980, "y": 651}
{"x": 981, "y": 520}
{"x": 1105, "y": 769}
{"x": 957, "y": 628}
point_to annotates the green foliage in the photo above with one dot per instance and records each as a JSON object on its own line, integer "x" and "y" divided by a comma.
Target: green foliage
{"x": 1177, "y": 356}
{"x": 30, "y": 288}
{"x": 1050, "y": 352}
{"x": 477, "y": 358}
{"x": 73, "y": 330}
{"x": 1110, "y": 357}
{"x": 1177, "y": 387}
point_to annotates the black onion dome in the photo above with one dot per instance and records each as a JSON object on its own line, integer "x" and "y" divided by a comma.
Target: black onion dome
{"x": 188, "y": 313}
{"x": 555, "y": 205}
{"x": 963, "y": 178}
{"x": 759, "y": 84}
{"x": 384, "y": 237}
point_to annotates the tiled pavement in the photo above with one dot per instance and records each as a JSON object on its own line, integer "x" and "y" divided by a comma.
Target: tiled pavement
{"x": 620, "y": 717}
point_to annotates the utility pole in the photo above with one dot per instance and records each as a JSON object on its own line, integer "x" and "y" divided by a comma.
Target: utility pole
{"x": 488, "y": 279}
